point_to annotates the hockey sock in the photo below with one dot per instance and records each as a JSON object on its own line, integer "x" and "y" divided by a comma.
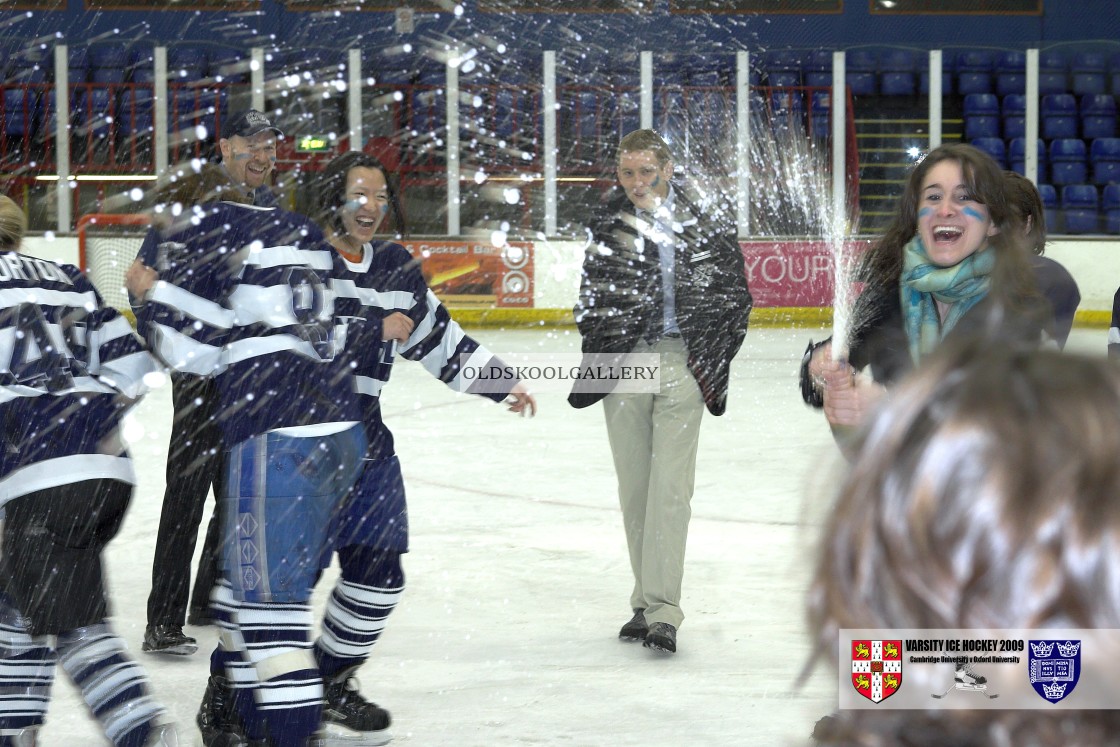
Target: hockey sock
{"x": 278, "y": 664}
{"x": 26, "y": 672}
{"x": 113, "y": 686}
{"x": 371, "y": 585}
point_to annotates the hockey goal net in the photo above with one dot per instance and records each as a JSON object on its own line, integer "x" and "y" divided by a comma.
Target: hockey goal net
{"x": 107, "y": 244}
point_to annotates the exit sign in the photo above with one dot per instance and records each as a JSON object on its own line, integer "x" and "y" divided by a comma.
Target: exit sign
{"x": 313, "y": 144}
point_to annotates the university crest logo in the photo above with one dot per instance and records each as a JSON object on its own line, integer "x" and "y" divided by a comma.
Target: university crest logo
{"x": 1054, "y": 667}
{"x": 876, "y": 668}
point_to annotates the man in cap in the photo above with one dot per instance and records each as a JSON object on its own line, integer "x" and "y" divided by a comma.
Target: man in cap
{"x": 248, "y": 153}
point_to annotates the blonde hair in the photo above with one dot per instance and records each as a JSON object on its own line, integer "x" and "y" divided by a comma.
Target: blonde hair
{"x": 13, "y": 224}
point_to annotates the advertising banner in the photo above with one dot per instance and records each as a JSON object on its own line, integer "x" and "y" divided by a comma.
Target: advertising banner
{"x": 793, "y": 273}
{"x": 477, "y": 274}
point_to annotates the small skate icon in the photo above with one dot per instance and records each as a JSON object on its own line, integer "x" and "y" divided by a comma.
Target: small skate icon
{"x": 968, "y": 681}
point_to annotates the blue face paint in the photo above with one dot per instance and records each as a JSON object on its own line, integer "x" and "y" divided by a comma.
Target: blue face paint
{"x": 924, "y": 212}
{"x": 974, "y": 214}
{"x": 656, "y": 182}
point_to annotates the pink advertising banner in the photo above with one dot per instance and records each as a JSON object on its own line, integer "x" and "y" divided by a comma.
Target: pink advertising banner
{"x": 793, "y": 273}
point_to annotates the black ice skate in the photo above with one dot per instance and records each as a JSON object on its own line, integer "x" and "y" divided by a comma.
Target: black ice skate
{"x": 217, "y": 716}
{"x": 349, "y": 720}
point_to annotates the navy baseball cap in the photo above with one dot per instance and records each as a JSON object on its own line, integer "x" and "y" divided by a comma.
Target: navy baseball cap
{"x": 247, "y": 123}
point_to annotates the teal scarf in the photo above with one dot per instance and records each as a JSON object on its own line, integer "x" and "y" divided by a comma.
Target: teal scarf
{"x": 923, "y": 283}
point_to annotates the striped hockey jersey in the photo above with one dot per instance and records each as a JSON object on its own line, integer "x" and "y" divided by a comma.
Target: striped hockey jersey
{"x": 388, "y": 279}
{"x": 245, "y": 295}
{"x": 69, "y": 368}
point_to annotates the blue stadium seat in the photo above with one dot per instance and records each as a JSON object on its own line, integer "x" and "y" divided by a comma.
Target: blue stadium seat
{"x": 108, "y": 62}
{"x": 820, "y": 115}
{"x": 1087, "y": 73}
{"x": 21, "y": 112}
{"x": 974, "y": 71}
{"x": 31, "y": 63}
{"x": 77, "y": 69}
{"x": 1014, "y": 109}
{"x": 1098, "y": 116}
{"x": 1011, "y": 73}
{"x": 1050, "y": 212}
{"x": 141, "y": 64}
{"x": 1114, "y": 74}
{"x": 1104, "y": 156}
{"x": 1067, "y": 161}
{"x": 897, "y": 73}
{"x": 1080, "y": 207}
{"x": 1110, "y": 206}
{"x": 783, "y": 67}
{"x": 135, "y": 115}
{"x": 186, "y": 62}
{"x": 981, "y": 115}
{"x": 994, "y": 147}
{"x": 860, "y": 68}
{"x": 817, "y": 68}
{"x": 948, "y": 65}
{"x": 1017, "y": 157}
{"x": 229, "y": 65}
{"x": 1058, "y": 113}
{"x": 1052, "y": 73}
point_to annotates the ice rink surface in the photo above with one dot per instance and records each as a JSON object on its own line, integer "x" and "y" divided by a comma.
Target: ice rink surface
{"x": 517, "y": 580}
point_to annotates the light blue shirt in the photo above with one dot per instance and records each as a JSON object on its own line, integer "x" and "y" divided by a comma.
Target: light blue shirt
{"x": 662, "y": 234}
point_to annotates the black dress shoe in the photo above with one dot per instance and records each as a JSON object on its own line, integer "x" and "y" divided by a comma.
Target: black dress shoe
{"x": 662, "y": 637}
{"x": 168, "y": 639}
{"x": 636, "y": 629}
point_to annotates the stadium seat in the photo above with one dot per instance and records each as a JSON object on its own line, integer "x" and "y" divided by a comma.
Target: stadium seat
{"x": 1052, "y": 73}
{"x": 1104, "y": 156}
{"x": 817, "y": 68}
{"x": 135, "y": 115}
{"x": 974, "y": 72}
{"x": 1014, "y": 109}
{"x": 186, "y": 63}
{"x": 108, "y": 62}
{"x": 141, "y": 64}
{"x": 897, "y": 73}
{"x": 229, "y": 65}
{"x": 1087, "y": 73}
{"x": 77, "y": 69}
{"x": 994, "y": 147}
{"x": 820, "y": 114}
{"x": 1098, "y": 116}
{"x": 981, "y": 115}
{"x": 1017, "y": 157}
{"x": 860, "y": 69}
{"x": 1080, "y": 206}
{"x": 1067, "y": 161}
{"x": 1110, "y": 206}
{"x": 1011, "y": 73}
{"x": 1058, "y": 114}
{"x": 1050, "y": 212}
{"x": 32, "y": 63}
{"x": 948, "y": 65}
{"x": 21, "y": 110}
{"x": 1114, "y": 74}
{"x": 783, "y": 67}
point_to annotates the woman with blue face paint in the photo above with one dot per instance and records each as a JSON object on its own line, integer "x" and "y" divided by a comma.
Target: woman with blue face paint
{"x": 952, "y": 262}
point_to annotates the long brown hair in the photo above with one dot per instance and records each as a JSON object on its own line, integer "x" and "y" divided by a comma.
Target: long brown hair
{"x": 1013, "y": 287}
{"x": 983, "y": 496}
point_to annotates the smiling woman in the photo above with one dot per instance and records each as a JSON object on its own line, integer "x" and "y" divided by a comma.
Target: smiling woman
{"x": 953, "y": 262}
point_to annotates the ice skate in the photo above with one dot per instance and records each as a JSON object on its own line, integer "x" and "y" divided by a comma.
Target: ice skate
{"x": 349, "y": 720}
{"x": 966, "y": 679}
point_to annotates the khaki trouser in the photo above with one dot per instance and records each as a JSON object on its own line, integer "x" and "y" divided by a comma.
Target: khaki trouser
{"x": 653, "y": 441}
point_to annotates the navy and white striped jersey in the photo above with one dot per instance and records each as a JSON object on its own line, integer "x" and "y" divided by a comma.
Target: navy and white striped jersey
{"x": 245, "y": 295}
{"x": 388, "y": 279}
{"x": 69, "y": 368}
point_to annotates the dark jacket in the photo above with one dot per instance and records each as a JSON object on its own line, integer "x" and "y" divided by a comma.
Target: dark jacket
{"x": 620, "y": 299}
{"x": 879, "y": 337}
